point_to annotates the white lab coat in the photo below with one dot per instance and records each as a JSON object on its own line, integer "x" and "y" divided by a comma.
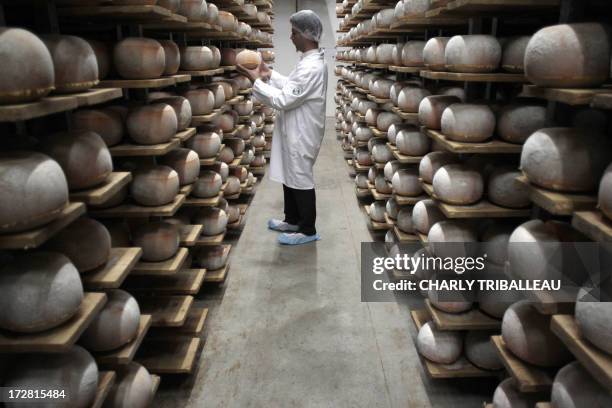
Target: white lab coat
{"x": 300, "y": 123}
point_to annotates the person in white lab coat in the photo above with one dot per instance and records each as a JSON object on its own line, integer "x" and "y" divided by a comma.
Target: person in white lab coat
{"x": 300, "y": 125}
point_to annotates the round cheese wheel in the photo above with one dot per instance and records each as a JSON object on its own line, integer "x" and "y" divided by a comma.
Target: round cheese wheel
{"x": 431, "y": 109}
{"x": 406, "y": 182}
{"x": 219, "y": 94}
{"x": 159, "y": 240}
{"x": 237, "y": 145}
{"x": 513, "y": 54}
{"x": 74, "y": 371}
{"x": 377, "y": 211}
{"x": 372, "y": 116}
{"x": 433, "y": 53}
{"x": 404, "y": 220}
{"x": 211, "y": 258}
{"x": 152, "y": 124}
{"x": 508, "y": 396}
{"x": 214, "y": 221}
{"x": 495, "y": 303}
{"x": 185, "y": 162}
{"x": 393, "y": 209}
{"x": 439, "y": 346}
{"x": 202, "y": 101}
{"x": 593, "y": 318}
{"x": 473, "y": 53}
{"x": 480, "y": 351}
{"x": 85, "y": 242}
{"x": 194, "y": 10}
{"x": 416, "y": 8}
{"x": 365, "y": 105}
{"x": 26, "y": 72}
{"x": 227, "y": 21}
{"x": 34, "y": 188}
{"x": 412, "y": 53}
{"x": 382, "y": 88}
{"x": 208, "y": 185}
{"x": 213, "y": 14}
{"x": 453, "y": 91}
{"x": 516, "y": 122}
{"x": 232, "y": 186}
{"x": 495, "y": 238}
{"x": 384, "y": 53}
{"x": 361, "y": 180}
{"x": 172, "y": 56}
{"x": 384, "y": 120}
{"x": 412, "y": 143}
{"x": 410, "y": 98}
{"x": 115, "y": 325}
{"x": 503, "y": 189}
{"x": 172, "y": 5}
{"x": 132, "y": 388}
{"x": 566, "y": 159}
{"x": 371, "y": 54}
{"x": 139, "y": 58}
{"x": 381, "y": 153}
{"x": 154, "y": 186}
{"x": 84, "y": 157}
{"x": 394, "y": 130}
{"x": 605, "y": 193}
{"x": 458, "y": 184}
{"x": 74, "y": 63}
{"x": 182, "y": 109}
{"x": 384, "y": 18}
{"x": 222, "y": 169}
{"x": 40, "y": 290}
{"x": 527, "y": 335}
{"x": 426, "y": 214}
{"x": 452, "y": 231}
{"x": 249, "y": 59}
{"x": 105, "y": 122}
{"x": 197, "y": 58}
{"x": 569, "y": 56}
{"x": 451, "y": 301}
{"x": 104, "y": 57}
{"x": 216, "y": 54}
{"x": 381, "y": 185}
{"x": 244, "y": 108}
{"x": 226, "y": 155}
{"x": 574, "y": 387}
{"x": 390, "y": 168}
{"x": 206, "y": 145}
{"x": 469, "y": 123}
{"x": 228, "y": 56}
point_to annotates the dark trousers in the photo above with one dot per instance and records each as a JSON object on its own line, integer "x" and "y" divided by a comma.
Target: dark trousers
{"x": 301, "y": 209}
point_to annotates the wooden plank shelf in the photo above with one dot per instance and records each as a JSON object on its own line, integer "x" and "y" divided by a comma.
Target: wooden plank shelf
{"x": 573, "y": 97}
{"x": 594, "y": 360}
{"x": 602, "y": 101}
{"x": 101, "y": 194}
{"x": 410, "y": 118}
{"x": 360, "y": 168}
{"x": 558, "y": 203}
{"x": 34, "y": 238}
{"x": 124, "y": 355}
{"x": 258, "y": 171}
{"x": 130, "y": 210}
{"x": 594, "y": 225}
{"x": 499, "y": 7}
{"x": 236, "y": 162}
{"x": 470, "y": 320}
{"x": 503, "y": 77}
{"x": 403, "y": 200}
{"x": 112, "y": 275}
{"x": 133, "y": 150}
{"x": 129, "y": 13}
{"x": 406, "y": 70}
{"x": 194, "y": 326}
{"x": 56, "y": 104}
{"x": 106, "y": 380}
{"x": 490, "y": 147}
{"x": 237, "y": 225}
{"x": 138, "y": 83}
{"x": 380, "y": 196}
{"x": 164, "y": 268}
{"x": 389, "y": 220}
{"x": 185, "y": 282}
{"x": 528, "y": 378}
{"x": 199, "y": 119}
{"x": 185, "y": 135}
{"x": 422, "y": 238}
{"x": 205, "y": 240}
{"x": 402, "y": 236}
{"x": 419, "y": 318}
{"x": 58, "y": 339}
{"x": 542, "y": 405}
{"x": 482, "y": 209}
{"x": 189, "y": 234}
{"x": 405, "y": 159}
{"x": 373, "y": 225}
{"x": 421, "y": 22}
{"x": 378, "y": 100}
{"x": 362, "y": 192}
{"x": 186, "y": 189}
{"x": 208, "y": 162}
{"x": 217, "y": 276}
{"x": 428, "y": 188}
{"x": 203, "y": 202}
{"x": 378, "y": 133}
{"x": 166, "y": 311}
{"x": 176, "y": 356}
{"x": 204, "y": 73}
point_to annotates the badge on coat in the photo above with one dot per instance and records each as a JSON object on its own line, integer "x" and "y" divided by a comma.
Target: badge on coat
{"x": 297, "y": 91}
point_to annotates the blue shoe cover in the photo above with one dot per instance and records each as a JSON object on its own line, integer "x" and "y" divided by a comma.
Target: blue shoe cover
{"x": 297, "y": 238}
{"x": 282, "y": 226}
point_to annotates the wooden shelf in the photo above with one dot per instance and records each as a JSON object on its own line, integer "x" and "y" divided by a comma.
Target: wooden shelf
{"x": 55, "y": 104}
{"x": 482, "y": 209}
{"x": 144, "y": 13}
{"x": 166, "y": 311}
{"x": 474, "y": 77}
{"x": 498, "y": 7}
{"x": 189, "y": 234}
{"x": 138, "y": 83}
{"x": 410, "y": 118}
{"x": 58, "y": 339}
{"x": 185, "y": 282}
{"x": 203, "y": 202}
{"x": 471, "y": 320}
{"x": 362, "y": 169}
{"x": 602, "y": 101}
{"x": 194, "y": 326}
{"x": 176, "y": 356}
{"x": 208, "y": 162}
{"x": 130, "y": 210}
{"x": 101, "y": 194}
{"x": 596, "y": 361}
{"x": 404, "y": 159}
{"x": 402, "y": 200}
{"x": 407, "y": 70}
{"x": 419, "y": 318}
{"x": 186, "y": 189}
{"x": 594, "y": 225}
{"x": 106, "y": 380}
{"x": 185, "y": 135}
{"x": 378, "y": 100}
{"x": 199, "y": 119}
{"x": 421, "y": 22}
{"x": 528, "y": 378}
{"x": 217, "y": 276}
{"x": 204, "y": 73}
{"x": 402, "y": 236}
{"x": 423, "y": 239}
{"x": 112, "y": 275}
{"x": 379, "y": 196}
{"x": 204, "y": 240}
{"x": 568, "y": 96}
{"x": 558, "y": 203}
{"x": 34, "y": 238}
{"x": 362, "y": 192}
{"x": 373, "y": 225}
{"x": 124, "y": 355}
{"x": 164, "y": 268}
{"x": 490, "y": 147}
{"x": 237, "y": 225}
{"x": 389, "y": 220}
{"x": 132, "y": 150}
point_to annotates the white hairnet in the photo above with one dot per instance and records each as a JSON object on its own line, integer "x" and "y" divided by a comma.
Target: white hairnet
{"x": 307, "y": 23}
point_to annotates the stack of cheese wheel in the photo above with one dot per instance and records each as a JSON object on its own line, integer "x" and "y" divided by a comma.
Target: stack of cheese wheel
{"x": 27, "y": 72}
{"x": 139, "y": 58}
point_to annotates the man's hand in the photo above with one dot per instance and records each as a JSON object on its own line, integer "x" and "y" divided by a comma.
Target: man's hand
{"x": 261, "y": 72}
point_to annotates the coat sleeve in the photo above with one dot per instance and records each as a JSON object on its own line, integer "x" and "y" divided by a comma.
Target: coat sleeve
{"x": 293, "y": 94}
{"x": 278, "y": 80}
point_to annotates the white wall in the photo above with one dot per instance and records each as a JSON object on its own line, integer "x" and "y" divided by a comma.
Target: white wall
{"x": 287, "y": 56}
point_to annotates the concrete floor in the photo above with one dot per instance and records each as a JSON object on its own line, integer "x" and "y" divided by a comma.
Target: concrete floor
{"x": 288, "y": 328}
